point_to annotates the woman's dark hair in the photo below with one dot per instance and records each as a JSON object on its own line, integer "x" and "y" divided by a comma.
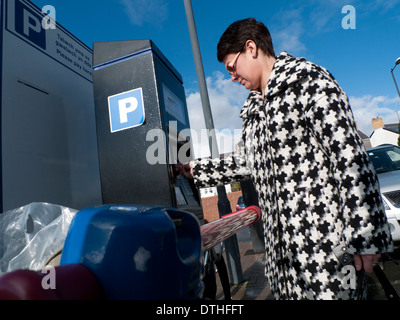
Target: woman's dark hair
{"x": 234, "y": 38}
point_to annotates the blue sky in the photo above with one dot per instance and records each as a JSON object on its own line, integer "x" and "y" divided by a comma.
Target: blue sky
{"x": 360, "y": 58}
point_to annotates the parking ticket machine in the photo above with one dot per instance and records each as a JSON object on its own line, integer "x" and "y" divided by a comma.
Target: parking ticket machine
{"x": 142, "y": 126}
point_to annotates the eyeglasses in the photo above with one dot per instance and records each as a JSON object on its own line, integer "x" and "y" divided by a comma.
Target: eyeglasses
{"x": 232, "y": 69}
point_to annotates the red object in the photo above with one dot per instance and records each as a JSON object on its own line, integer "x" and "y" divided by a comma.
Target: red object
{"x": 24, "y": 285}
{"x": 76, "y": 282}
{"x": 72, "y": 282}
{"x": 217, "y": 231}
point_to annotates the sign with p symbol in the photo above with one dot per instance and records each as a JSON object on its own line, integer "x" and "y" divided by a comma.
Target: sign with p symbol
{"x": 126, "y": 110}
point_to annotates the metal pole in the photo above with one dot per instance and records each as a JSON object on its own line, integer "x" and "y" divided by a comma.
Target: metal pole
{"x": 256, "y": 230}
{"x": 231, "y": 246}
{"x": 398, "y": 92}
{"x": 201, "y": 80}
{"x": 232, "y": 251}
{"x": 395, "y": 83}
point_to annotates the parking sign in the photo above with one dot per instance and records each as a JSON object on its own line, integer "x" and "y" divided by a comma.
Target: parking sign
{"x": 126, "y": 110}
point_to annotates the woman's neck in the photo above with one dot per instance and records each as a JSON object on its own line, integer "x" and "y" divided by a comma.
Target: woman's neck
{"x": 268, "y": 66}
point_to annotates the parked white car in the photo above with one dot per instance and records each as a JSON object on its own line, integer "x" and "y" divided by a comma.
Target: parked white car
{"x": 386, "y": 160}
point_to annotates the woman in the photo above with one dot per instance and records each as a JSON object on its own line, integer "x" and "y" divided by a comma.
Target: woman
{"x": 319, "y": 194}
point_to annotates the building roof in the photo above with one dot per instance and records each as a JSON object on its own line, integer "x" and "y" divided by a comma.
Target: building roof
{"x": 393, "y": 128}
{"x": 362, "y": 135}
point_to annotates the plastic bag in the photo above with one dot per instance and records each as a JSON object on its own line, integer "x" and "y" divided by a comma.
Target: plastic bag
{"x": 30, "y": 235}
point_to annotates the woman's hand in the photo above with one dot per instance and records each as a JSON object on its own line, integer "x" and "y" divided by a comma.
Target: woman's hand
{"x": 366, "y": 261}
{"x": 186, "y": 170}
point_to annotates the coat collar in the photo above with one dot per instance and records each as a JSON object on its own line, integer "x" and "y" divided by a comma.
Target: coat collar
{"x": 286, "y": 71}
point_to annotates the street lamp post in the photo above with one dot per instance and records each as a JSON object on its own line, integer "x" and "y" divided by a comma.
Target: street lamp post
{"x": 231, "y": 244}
{"x": 208, "y": 118}
{"x": 398, "y": 92}
{"x": 394, "y": 79}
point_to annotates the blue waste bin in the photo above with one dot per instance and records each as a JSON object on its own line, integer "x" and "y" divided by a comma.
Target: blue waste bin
{"x": 138, "y": 252}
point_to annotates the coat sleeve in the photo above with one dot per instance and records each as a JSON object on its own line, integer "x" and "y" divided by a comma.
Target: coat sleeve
{"x": 331, "y": 121}
{"x": 210, "y": 172}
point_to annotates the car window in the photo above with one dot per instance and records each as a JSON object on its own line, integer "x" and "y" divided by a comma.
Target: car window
{"x": 385, "y": 160}
{"x": 394, "y": 156}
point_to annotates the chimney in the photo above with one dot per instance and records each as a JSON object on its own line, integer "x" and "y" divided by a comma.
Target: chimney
{"x": 377, "y": 123}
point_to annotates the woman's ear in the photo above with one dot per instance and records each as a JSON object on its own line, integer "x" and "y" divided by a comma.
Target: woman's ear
{"x": 251, "y": 48}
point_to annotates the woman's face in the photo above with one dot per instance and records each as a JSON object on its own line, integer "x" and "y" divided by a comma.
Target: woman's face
{"x": 243, "y": 68}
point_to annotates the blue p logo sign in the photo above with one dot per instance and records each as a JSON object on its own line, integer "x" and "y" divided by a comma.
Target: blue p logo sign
{"x": 126, "y": 110}
{"x": 126, "y": 106}
{"x": 28, "y": 24}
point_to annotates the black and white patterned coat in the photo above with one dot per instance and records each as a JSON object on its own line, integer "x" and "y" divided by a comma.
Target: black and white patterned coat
{"x": 316, "y": 186}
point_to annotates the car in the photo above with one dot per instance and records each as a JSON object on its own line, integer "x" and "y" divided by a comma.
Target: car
{"x": 386, "y": 160}
{"x": 240, "y": 204}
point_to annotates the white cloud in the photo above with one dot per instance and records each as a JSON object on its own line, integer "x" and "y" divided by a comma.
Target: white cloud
{"x": 287, "y": 32}
{"x": 142, "y": 11}
{"x": 382, "y": 5}
{"x": 367, "y": 107}
{"x": 226, "y": 100}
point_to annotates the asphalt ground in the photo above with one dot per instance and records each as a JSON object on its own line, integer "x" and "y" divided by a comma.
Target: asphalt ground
{"x": 392, "y": 271}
